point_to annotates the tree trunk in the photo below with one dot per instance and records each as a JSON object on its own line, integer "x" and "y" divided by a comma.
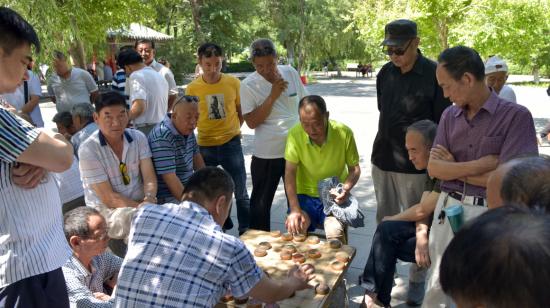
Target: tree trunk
{"x": 196, "y": 12}
{"x": 78, "y": 54}
{"x": 301, "y": 50}
{"x": 290, "y": 53}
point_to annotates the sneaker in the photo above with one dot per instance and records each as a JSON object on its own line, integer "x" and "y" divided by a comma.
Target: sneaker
{"x": 415, "y": 294}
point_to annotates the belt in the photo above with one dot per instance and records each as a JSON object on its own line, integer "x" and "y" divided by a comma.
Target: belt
{"x": 467, "y": 199}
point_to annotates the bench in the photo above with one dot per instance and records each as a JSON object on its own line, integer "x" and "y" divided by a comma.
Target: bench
{"x": 352, "y": 67}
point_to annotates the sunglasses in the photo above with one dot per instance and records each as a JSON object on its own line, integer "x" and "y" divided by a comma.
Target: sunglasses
{"x": 124, "y": 172}
{"x": 211, "y": 52}
{"x": 398, "y": 51}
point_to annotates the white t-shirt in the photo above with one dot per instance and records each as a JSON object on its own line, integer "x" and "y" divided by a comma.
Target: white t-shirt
{"x": 69, "y": 183}
{"x": 167, "y": 74}
{"x": 270, "y": 136}
{"x": 150, "y": 86}
{"x": 73, "y": 90}
{"x": 17, "y": 98}
{"x": 507, "y": 93}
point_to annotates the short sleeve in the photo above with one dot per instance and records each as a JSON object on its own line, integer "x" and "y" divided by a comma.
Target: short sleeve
{"x": 172, "y": 87}
{"x": 194, "y": 144}
{"x": 291, "y": 149}
{"x": 16, "y": 135}
{"x": 243, "y": 273}
{"x": 300, "y": 89}
{"x": 237, "y": 92}
{"x": 163, "y": 151}
{"x": 441, "y": 135}
{"x": 137, "y": 90}
{"x": 352, "y": 156}
{"x": 91, "y": 169}
{"x": 34, "y": 85}
{"x": 247, "y": 99}
{"x": 521, "y": 137}
{"x": 89, "y": 81}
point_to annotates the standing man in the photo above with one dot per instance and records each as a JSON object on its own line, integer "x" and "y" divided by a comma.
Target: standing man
{"x": 269, "y": 99}
{"x": 220, "y": 121}
{"x": 70, "y": 85}
{"x": 146, "y": 48}
{"x": 32, "y": 245}
{"x": 407, "y": 92}
{"x": 148, "y": 91}
{"x": 175, "y": 151}
{"x": 496, "y": 74}
{"x": 478, "y": 124}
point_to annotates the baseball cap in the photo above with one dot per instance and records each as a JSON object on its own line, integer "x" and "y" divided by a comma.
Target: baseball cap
{"x": 398, "y": 32}
{"x": 495, "y": 64}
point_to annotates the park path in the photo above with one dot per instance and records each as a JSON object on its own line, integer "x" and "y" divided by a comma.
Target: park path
{"x": 353, "y": 102}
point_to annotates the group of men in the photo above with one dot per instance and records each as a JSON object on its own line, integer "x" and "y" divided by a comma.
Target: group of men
{"x": 156, "y": 190}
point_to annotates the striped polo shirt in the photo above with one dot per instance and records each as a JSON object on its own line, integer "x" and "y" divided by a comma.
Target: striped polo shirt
{"x": 172, "y": 153}
{"x": 31, "y": 225}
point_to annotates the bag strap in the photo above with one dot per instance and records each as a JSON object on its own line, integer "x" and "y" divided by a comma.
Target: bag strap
{"x": 26, "y": 89}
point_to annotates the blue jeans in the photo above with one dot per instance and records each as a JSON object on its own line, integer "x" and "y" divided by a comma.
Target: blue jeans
{"x": 230, "y": 156}
{"x": 392, "y": 240}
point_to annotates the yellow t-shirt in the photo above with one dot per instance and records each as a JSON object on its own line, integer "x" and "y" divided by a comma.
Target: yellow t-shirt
{"x": 218, "y": 103}
{"x": 315, "y": 162}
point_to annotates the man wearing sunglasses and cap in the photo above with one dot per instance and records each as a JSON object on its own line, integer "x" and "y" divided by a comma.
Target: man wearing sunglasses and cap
{"x": 407, "y": 92}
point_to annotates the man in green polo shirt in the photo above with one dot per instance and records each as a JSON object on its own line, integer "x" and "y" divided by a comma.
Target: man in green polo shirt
{"x": 316, "y": 149}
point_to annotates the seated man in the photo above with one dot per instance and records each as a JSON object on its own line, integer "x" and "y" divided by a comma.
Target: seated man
{"x": 179, "y": 256}
{"x": 64, "y": 122}
{"x": 90, "y": 273}
{"x": 83, "y": 122}
{"x": 175, "y": 150}
{"x": 317, "y": 149}
{"x": 116, "y": 168}
{"x": 403, "y": 236}
{"x": 501, "y": 259}
{"x": 521, "y": 181}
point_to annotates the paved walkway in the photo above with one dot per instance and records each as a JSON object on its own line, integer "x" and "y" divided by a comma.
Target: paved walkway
{"x": 353, "y": 102}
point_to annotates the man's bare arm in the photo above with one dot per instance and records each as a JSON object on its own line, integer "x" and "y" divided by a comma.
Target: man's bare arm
{"x": 149, "y": 178}
{"x": 110, "y": 198}
{"x": 29, "y": 106}
{"x": 59, "y": 152}
{"x": 257, "y": 116}
{"x": 419, "y": 211}
{"x": 198, "y": 162}
{"x": 138, "y": 106}
{"x": 175, "y": 186}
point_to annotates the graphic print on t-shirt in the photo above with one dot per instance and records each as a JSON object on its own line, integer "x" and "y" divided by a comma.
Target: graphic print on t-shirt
{"x": 215, "y": 103}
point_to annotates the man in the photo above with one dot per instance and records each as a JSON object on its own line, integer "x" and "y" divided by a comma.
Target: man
{"x": 407, "y": 92}
{"x": 116, "y": 168}
{"x": 32, "y": 248}
{"x": 478, "y": 124}
{"x": 269, "y": 100}
{"x": 90, "y": 272}
{"x": 496, "y": 74}
{"x": 26, "y": 98}
{"x": 521, "y": 181}
{"x": 64, "y": 124}
{"x": 146, "y": 48}
{"x": 70, "y": 85}
{"x": 175, "y": 150}
{"x": 500, "y": 248}
{"x": 317, "y": 149}
{"x": 178, "y": 255}
{"x": 219, "y": 136}
{"x": 147, "y": 89}
{"x": 83, "y": 121}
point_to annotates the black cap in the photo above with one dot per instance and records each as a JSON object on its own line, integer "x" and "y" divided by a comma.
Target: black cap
{"x": 398, "y": 32}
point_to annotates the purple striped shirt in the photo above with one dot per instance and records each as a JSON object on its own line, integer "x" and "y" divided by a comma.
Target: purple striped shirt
{"x": 499, "y": 128}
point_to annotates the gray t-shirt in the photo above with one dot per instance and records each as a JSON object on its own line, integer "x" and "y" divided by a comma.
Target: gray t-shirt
{"x": 73, "y": 90}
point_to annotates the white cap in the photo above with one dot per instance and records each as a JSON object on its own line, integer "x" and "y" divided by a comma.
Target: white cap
{"x": 495, "y": 64}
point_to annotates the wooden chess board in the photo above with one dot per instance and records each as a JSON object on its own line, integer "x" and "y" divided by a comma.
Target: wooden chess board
{"x": 278, "y": 269}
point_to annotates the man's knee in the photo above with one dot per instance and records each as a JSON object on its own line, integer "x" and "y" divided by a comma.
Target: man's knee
{"x": 335, "y": 229}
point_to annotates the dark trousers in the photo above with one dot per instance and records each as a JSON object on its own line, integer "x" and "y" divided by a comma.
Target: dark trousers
{"x": 392, "y": 240}
{"x": 45, "y": 290}
{"x": 266, "y": 174}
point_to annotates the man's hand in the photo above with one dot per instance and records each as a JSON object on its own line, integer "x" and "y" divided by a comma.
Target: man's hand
{"x": 422, "y": 253}
{"x": 441, "y": 153}
{"x": 339, "y": 197}
{"x": 299, "y": 276}
{"x": 297, "y": 222}
{"x": 101, "y": 296}
{"x": 388, "y": 218}
{"x": 490, "y": 162}
{"x": 277, "y": 87}
{"x": 27, "y": 176}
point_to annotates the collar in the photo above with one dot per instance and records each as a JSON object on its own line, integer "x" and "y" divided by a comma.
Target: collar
{"x": 79, "y": 266}
{"x": 490, "y": 105}
{"x": 153, "y": 64}
{"x": 103, "y": 141}
{"x": 418, "y": 66}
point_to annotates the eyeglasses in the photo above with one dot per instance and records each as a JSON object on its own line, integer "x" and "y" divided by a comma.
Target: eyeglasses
{"x": 124, "y": 172}
{"x": 104, "y": 235}
{"x": 263, "y": 51}
{"x": 399, "y": 51}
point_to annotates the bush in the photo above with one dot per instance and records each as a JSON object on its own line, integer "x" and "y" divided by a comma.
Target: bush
{"x": 238, "y": 67}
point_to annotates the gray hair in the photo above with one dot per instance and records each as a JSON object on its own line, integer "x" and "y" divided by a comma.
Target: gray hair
{"x": 75, "y": 222}
{"x": 261, "y": 48}
{"x": 426, "y": 128}
{"x": 59, "y": 55}
{"x": 83, "y": 110}
{"x": 527, "y": 182}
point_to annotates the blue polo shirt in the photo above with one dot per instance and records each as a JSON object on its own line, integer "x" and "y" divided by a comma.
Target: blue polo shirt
{"x": 172, "y": 153}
